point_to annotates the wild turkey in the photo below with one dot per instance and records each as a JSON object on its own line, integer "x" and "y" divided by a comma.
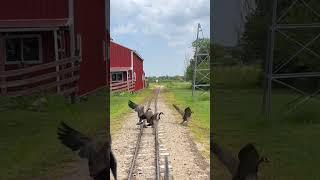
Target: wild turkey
{"x": 154, "y": 117}
{"x": 147, "y": 115}
{"x": 185, "y": 115}
{"x": 139, "y": 109}
{"x": 243, "y": 168}
{"x": 95, "y": 150}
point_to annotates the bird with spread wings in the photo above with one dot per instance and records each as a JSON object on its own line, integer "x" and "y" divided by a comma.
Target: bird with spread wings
{"x": 96, "y": 150}
{"x": 243, "y": 168}
{"x": 139, "y": 109}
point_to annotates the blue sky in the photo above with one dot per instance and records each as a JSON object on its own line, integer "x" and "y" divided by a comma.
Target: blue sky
{"x": 160, "y": 30}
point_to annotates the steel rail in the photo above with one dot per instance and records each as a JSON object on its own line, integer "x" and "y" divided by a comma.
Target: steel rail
{"x": 167, "y": 172}
{"x": 157, "y": 138}
{"x": 155, "y": 96}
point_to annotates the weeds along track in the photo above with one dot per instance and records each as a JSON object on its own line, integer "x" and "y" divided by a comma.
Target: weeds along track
{"x": 146, "y": 160}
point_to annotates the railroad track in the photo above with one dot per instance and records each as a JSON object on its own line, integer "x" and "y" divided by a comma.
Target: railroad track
{"x": 148, "y": 162}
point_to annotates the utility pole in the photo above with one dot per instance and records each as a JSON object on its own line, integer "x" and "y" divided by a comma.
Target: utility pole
{"x": 195, "y": 63}
{"x": 204, "y": 71}
{"x": 279, "y": 73}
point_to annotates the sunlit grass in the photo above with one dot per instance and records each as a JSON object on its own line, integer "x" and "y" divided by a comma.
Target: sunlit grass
{"x": 28, "y": 140}
{"x": 287, "y": 140}
{"x": 180, "y": 93}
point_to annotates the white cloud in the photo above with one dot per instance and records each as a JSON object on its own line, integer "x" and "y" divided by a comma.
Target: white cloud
{"x": 173, "y": 20}
{"x": 125, "y": 29}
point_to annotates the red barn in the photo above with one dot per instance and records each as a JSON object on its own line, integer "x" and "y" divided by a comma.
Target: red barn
{"x": 126, "y": 69}
{"x": 59, "y": 45}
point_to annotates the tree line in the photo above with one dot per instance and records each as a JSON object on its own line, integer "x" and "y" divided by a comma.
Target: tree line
{"x": 252, "y": 47}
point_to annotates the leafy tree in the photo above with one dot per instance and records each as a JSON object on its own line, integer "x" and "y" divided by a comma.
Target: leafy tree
{"x": 203, "y": 46}
{"x": 253, "y": 43}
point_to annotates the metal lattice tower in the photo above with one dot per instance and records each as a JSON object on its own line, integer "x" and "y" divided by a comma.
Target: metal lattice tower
{"x": 272, "y": 72}
{"x": 201, "y": 68}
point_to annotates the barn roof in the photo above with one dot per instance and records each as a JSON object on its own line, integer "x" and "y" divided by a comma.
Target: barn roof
{"x": 134, "y": 51}
{"x": 119, "y": 44}
{"x": 138, "y": 55}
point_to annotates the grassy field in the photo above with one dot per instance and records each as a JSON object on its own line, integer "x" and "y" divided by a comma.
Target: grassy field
{"x": 180, "y": 93}
{"x": 289, "y": 141}
{"x": 28, "y": 141}
{"x": 119, "y": 106}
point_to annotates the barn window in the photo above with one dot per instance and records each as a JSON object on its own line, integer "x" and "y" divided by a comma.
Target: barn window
{"x": 134, "y": 76}
{"x": 23, "y": 49}
{"x": 117, "y": 76}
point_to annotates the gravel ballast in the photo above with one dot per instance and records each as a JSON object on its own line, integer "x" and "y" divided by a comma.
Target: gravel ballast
{"x": 185, "y": 161}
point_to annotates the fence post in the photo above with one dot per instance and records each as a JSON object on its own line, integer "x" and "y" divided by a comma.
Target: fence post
{"x": 128, "y": 85}
{"x": 56, "y": 54}
{"x": 2, "y": 80}
{"x": 3, "y": 89}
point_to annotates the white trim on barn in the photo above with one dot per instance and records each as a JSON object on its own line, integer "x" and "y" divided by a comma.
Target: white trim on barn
{"x": 131, "y": 60}
{"x": 79, "y": 46}
{"x": 114, "y": 69}
{"x": 134, "y": 76}
{"x": 56, "y": 55}
{"x": 71, "y": 27}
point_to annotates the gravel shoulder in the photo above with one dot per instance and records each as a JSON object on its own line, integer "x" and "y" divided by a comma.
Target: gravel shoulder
{"x": 186, "y": 160}
{"x": 184, "y": 157}
{"x": 123, "y": 144}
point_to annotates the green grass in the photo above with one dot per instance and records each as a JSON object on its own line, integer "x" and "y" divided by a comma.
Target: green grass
{"x": 236, "y": 76}
{"x": 289, "y": 141}
{"x": 28, "y": 141}
{"x": 180, "y": 93}
{"x": 119, "y": 106}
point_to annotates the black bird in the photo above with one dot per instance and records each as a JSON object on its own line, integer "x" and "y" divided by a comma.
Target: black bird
{"x": 187, "y": 114}
{"x": 148, "y": 115}
{"x": 153, "y": 118}
{"x": 139, "y": 109}
{"x": 95, "y": 150}
{"x": 243, "y": 168}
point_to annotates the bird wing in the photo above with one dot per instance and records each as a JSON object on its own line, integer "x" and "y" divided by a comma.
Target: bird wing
{"x": 132, "y": 105}
{"x": 227, "y": 159}
{"x": 178, "y": 109}
{"x": 95, "y": 150}
{"x": 72, "y": 138}
{"x": 113, "y": 165}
